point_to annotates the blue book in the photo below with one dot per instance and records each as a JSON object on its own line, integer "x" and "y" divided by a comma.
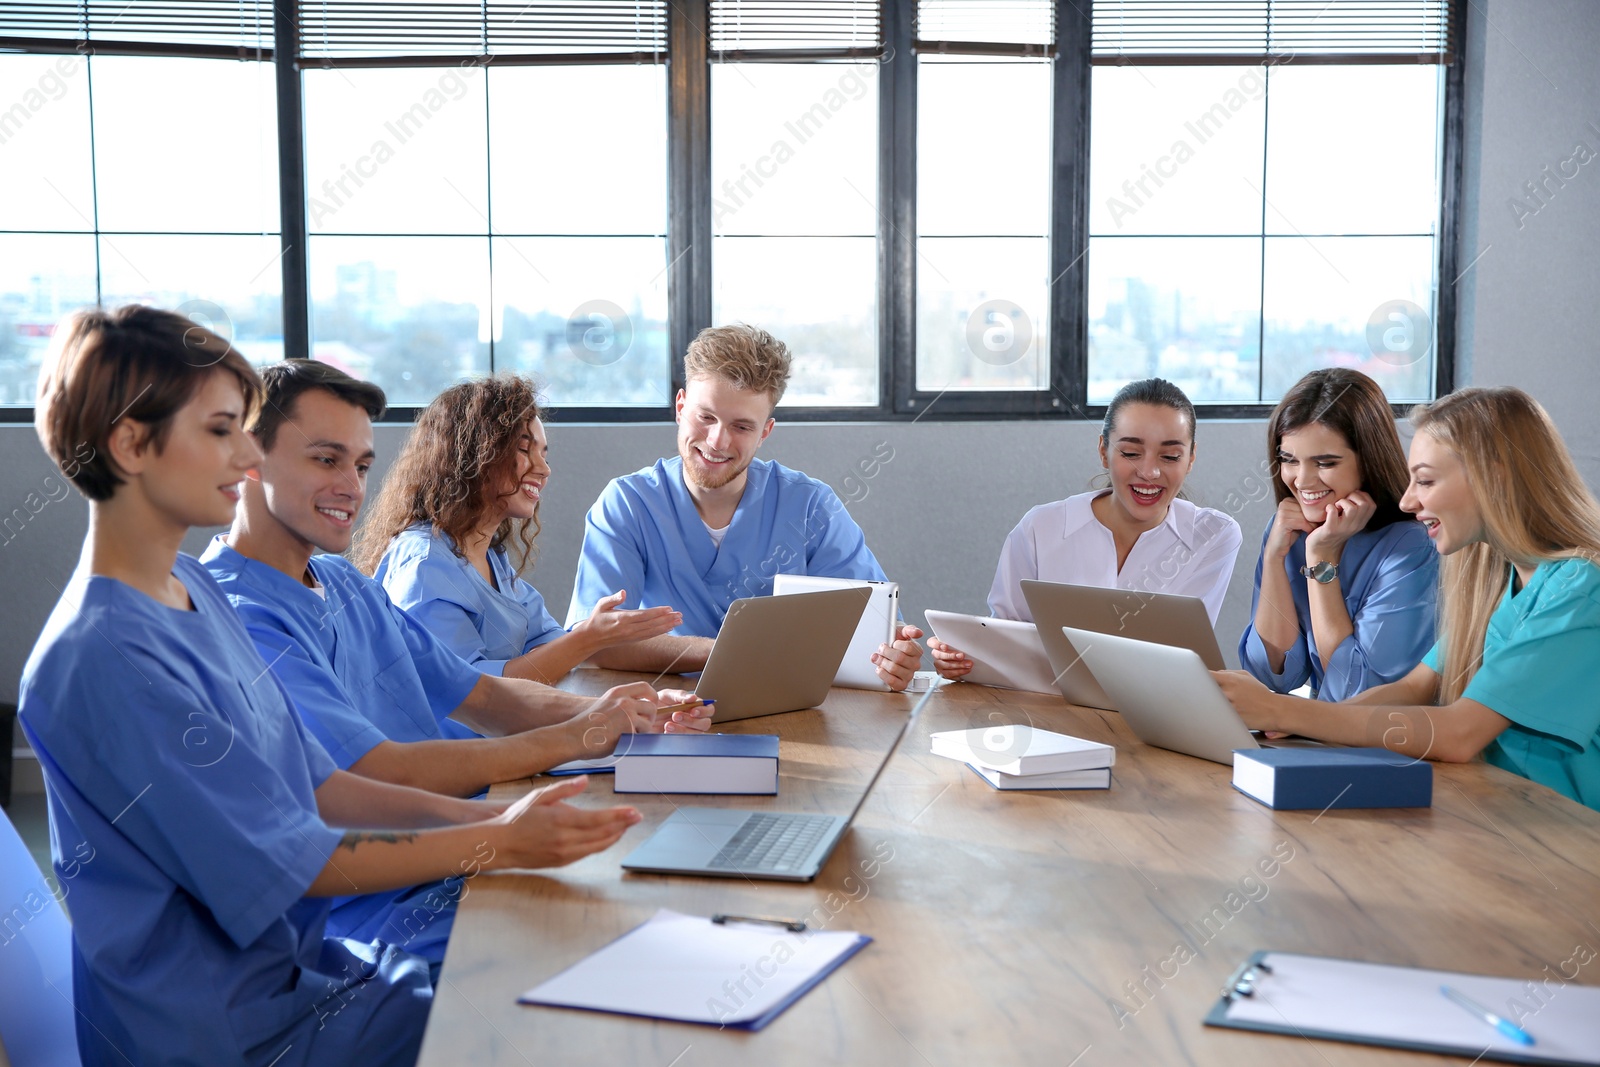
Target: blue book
{"x": 696, "y": 763}
{"x": 1316, "y": 779}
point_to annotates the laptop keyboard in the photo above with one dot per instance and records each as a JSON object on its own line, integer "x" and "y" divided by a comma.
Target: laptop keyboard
{"x": 772, "y": 842}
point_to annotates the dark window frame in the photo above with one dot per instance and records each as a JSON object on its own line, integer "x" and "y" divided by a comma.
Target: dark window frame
{"x": 689, "y": 202}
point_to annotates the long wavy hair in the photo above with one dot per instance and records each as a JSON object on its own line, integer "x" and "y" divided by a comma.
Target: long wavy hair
{"x": 1354, "y": 406}
{"x": 454, "y": 468}
{"x": 1533, "y": 502}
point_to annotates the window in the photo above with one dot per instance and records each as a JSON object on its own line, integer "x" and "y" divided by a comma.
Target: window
{"x": 98, "y": 203}
{"x": 945, "y": 207}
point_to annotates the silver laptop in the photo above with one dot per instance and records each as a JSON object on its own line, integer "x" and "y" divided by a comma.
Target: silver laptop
{"x": 1004, "y": 652}
{"x": 1164, "y": 618}
{"x": 779, "y": 653}
{"x": 775, "y": 845}
{"x": 1168, "y": 697}
{"x": 877, "y": 625}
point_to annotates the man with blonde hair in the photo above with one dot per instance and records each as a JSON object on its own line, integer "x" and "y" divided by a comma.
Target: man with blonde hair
{"x": 701, "y": 529}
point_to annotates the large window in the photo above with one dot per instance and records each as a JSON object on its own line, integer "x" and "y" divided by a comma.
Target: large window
{"x": 127, "y": 178}
{"x": 946, "y": 208}
{"x": 1252, "y": 223}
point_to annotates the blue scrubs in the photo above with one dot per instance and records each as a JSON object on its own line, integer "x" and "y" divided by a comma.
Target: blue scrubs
{"x": 359, "y": 671}
{"x": 484, "y": 625}
{"x": 1390, "y": 580}
{"x": 1537, "y": 670}
{"x": 644, "y": 535}
{"x": 174, "y": 765}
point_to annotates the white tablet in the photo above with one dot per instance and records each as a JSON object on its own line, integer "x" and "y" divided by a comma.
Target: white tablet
{"x": 1004, "y": 652}
{"x": 877, "y": 626}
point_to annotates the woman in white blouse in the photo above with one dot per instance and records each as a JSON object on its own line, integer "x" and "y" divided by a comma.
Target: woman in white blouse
{"x": 1136, "y": 534}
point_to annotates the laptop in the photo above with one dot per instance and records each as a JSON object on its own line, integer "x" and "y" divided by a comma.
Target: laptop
{"x": 1164, "y": 618}
{"x": 1168, "y": 698}
{"x": 877, "y": 625}
{"x": 1004, "y": 652}
{"x": 779, "y": 653}
{"x": 774, "y": 845}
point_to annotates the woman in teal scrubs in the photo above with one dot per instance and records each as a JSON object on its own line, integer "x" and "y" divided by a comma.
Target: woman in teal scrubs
{"x": 1511, "y": 674}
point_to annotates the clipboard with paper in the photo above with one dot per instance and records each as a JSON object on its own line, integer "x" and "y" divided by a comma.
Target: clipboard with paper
{"x": 688, "y": 968}
{"x": 1407, "y": 1008}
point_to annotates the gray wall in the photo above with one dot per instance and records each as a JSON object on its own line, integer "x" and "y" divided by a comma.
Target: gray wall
{"x": 937, "y": 512}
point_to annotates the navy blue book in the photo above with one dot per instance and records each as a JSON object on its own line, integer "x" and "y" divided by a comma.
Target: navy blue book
{"x": 1316, "y": 779}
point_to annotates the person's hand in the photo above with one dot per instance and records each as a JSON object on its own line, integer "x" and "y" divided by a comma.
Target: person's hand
{"x": 948, "y": 660}
{"x": 624, "y": 709}
{"x": 1347, "y": 517}
{"x": 1252, "y": 700}
{"x": 684, "y": 720}
{"x": 897, "y": 662}
{"x": 540, "y": 830}
{"x": 610, "y": 624}
{"x": 1288, "y": 524}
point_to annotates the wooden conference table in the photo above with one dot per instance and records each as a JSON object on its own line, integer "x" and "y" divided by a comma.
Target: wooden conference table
{"x": 1037, "y": 927}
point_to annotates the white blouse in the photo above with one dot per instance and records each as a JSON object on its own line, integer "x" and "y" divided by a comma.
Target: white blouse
{"x": 1191, "y": 553}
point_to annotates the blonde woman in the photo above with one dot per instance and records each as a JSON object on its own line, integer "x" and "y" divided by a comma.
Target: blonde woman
{"x": 1511, "y": 675}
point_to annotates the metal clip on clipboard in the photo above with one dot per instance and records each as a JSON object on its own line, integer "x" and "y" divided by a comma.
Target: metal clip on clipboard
{"x": 1243, "y": 981}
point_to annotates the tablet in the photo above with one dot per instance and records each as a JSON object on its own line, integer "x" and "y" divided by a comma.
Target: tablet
{"x": 1004, "y": 652}
{"x": 877, "y": 625}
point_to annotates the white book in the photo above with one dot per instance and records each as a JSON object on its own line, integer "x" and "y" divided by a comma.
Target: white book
{"x": 1022, "y": 750}
{"x": 1093, "y": 778}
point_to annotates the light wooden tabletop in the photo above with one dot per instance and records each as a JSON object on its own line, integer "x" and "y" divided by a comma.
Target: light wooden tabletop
{"x": 1075, "y": 927}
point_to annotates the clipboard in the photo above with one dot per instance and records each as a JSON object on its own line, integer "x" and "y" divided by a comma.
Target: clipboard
{"x": 1402, "y": 1007}
{"x": 687, "y": 968}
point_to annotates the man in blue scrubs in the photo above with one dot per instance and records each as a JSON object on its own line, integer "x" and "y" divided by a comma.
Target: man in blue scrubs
{"x": 713, "y": 524}
{"x": 373, "y": 685}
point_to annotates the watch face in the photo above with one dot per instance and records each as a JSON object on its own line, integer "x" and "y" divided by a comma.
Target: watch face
{"x": 1323, "y": 572}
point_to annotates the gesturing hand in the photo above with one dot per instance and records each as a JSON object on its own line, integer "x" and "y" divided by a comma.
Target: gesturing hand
{"x": 611, "y": 624}
{"x": 541, "y": 830}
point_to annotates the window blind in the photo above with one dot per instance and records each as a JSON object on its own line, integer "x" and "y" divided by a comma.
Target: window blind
{"x": 844, "y": 26}
{"x": 1125, "y": 30}
{"x": 334, "y": 29}
{"x": 997, "y": 22}
{"x": 202, "y": 25}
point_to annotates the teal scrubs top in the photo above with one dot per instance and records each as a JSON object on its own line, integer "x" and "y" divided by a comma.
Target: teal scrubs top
{"x": 1538, "y": 671}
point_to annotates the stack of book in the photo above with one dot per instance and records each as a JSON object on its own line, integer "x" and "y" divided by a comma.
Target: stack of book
{"x": 1020, "y": 757}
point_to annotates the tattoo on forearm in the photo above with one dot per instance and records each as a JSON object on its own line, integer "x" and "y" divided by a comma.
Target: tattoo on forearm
{"x": 352, "y": 838}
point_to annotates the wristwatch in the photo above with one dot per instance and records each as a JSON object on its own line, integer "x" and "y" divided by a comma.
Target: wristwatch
{"x": 1323, "y": 572}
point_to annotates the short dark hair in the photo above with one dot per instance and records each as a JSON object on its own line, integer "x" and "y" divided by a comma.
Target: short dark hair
{"x": 1352, "y": 405}
{"x": 135, "y": 362}
{"x": 285, "y": 382}
{"x": 1155, "y": 391}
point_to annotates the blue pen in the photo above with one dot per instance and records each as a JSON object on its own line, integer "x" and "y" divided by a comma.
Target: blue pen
{"x": 1510, "y": 1029}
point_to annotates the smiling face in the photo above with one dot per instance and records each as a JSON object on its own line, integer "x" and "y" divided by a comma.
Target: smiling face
{"x": 1319, "y": 466}
{"x": 520, "y": 499}
{"x": 194, "y": 479}
{"x": 719, "y": 428}
{"x": 315, "y": 477}
{"x": 1149, "y": 454}
{"x": 1441, "y": 497}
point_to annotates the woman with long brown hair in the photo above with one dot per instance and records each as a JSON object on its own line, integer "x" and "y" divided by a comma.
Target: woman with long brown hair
{"x": 1346, "y": 585}
{"x": 1511, "y": 677}
{"x": 462, "y": 496}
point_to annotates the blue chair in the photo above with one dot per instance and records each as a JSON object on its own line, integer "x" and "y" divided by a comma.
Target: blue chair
{"x": 36, "y": 1016}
